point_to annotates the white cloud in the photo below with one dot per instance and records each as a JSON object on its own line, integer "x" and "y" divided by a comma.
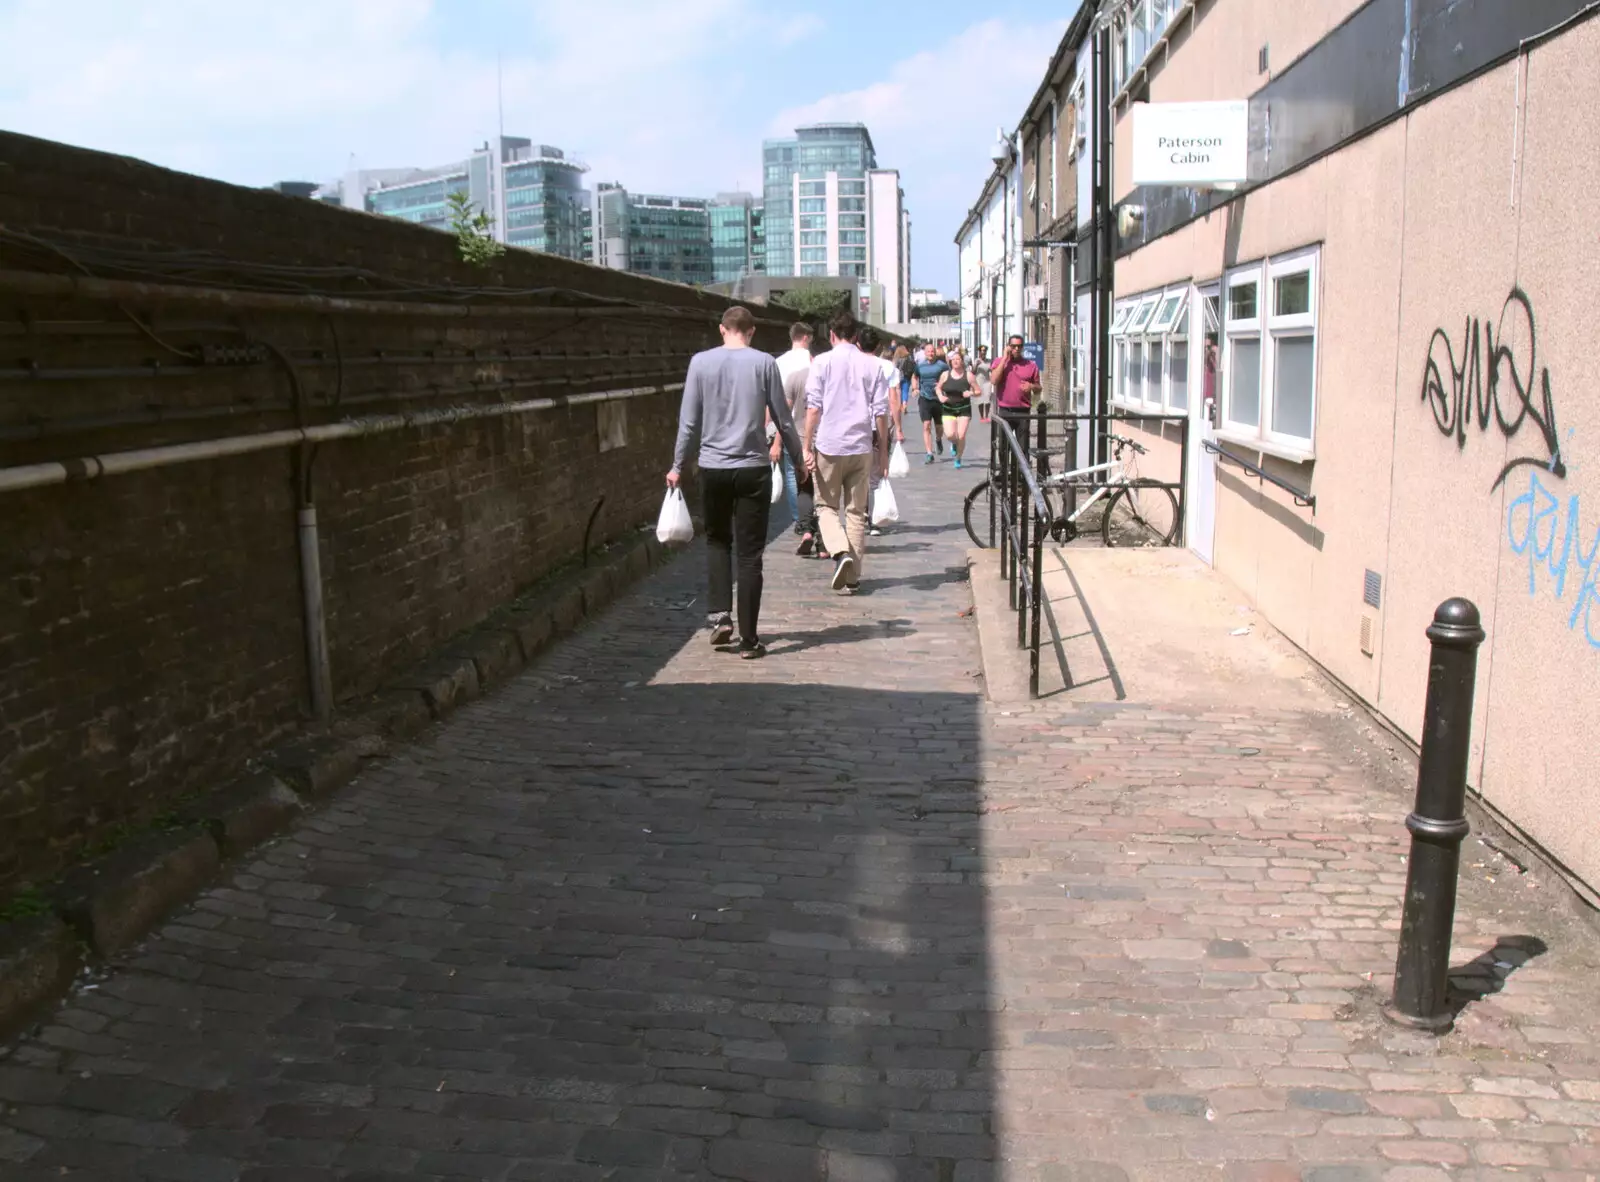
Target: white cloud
{"x": 655, "y": 95}
{"x": 262, "y": 92}
{"x": 807, "y": 24}
{"x": 934, "y": 118}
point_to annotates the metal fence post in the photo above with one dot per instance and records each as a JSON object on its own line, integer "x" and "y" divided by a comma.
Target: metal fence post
{"x": 1438, "y": 823}
{"x": 1024, "y": 515}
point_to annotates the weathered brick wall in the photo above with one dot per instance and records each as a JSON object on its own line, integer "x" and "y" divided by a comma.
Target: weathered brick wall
{"x": 150, "y": 623}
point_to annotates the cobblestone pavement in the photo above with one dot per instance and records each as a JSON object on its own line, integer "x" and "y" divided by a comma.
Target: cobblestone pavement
{"x": 651, "y": 911}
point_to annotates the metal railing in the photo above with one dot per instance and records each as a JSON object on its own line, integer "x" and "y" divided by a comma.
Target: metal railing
{"x": 1024, "y": 522}
{"x": 1302, "y": 498}
{"x": 1021, "y": 516}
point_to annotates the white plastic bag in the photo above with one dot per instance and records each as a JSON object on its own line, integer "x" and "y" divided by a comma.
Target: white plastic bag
{"x": 884, "y": 509}
{"x": 899, "y": 465}
{"x": 777, "y": 482}
{"x": 674, "y": 526}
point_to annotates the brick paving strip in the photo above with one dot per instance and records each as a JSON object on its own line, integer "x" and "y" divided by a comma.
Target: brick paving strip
{"x": 650, "y": 911}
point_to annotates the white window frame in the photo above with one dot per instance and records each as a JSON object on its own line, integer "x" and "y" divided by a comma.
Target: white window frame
{"x": 1178, "y": 330}
{"x": 1269, "y": 328}
{"x": 1080, "y": 119}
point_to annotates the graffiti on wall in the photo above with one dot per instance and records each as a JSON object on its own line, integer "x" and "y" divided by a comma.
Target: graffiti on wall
{"x": 1547, "y": 531}
{"x": 1492, "y": 381}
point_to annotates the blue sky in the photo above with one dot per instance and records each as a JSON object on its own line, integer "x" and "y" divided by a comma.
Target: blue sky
{"x": 667, "y": 96}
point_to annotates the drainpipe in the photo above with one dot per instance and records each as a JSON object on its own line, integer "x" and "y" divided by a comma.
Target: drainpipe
{"x": 1104, "y": 237}
{"x": 317, "y": 661}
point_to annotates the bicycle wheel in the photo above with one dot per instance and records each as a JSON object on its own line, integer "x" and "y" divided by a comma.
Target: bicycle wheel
{"x": 1140, "y": 513}
{"x": 975, "y": 513}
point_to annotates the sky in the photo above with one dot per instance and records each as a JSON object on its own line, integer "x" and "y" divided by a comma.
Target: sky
{"x": 665, "y": 96}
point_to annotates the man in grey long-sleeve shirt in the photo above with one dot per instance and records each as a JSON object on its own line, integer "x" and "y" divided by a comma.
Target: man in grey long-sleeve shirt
{"x": 726, "y": 399}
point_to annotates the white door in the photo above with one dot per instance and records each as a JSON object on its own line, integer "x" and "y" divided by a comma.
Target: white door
{"x": 1200, "y": 525}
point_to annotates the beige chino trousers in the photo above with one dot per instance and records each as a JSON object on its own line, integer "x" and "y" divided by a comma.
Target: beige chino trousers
{"x": 844, "y": 483}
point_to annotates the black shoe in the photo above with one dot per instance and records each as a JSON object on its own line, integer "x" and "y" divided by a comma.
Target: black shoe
{"x": 844, "y": 574}
{"x": 752, "y": 650}
{"x": 808, "y": 543}
{"x": 721, "y": 630}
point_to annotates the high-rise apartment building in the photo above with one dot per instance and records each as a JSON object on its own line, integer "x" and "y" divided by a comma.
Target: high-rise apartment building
{"x": 738, "y": 237}
{"x": 533, "y": 194}
{"x": 650, "y": 234}
{"x": 830, "y": 210}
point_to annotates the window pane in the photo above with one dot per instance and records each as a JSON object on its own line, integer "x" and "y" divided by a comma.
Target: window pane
{"x": 1291, "y": 389}
{"x": 1141, "y": 315}
{"x": 1178, "y": 375}
{"x": 1152, "y": 372}
{"x": 1136, "y": 371}
{"x": 1244, "y": 383}
{"x": 1119, "y": 317}
{"x": 1167, "y": 312}
{"x": 1291, "y": 295}
{"x": 1242, "y": 302}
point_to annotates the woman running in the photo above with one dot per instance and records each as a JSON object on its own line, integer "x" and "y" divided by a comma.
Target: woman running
{"x": 954, "y": 391}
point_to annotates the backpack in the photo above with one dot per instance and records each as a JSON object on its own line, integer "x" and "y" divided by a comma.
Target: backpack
{"x": 908, "y": 371}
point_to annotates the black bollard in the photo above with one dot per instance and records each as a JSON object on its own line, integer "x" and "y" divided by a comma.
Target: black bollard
{"x": 1422, "y": 968}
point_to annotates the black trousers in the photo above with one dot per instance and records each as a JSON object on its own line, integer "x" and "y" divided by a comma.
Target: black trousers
{"x": 1020, "y": 425}
{"x": 738, "y": 506}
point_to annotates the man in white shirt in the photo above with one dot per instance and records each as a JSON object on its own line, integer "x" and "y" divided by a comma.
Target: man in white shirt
{"x": 798, "y": 358}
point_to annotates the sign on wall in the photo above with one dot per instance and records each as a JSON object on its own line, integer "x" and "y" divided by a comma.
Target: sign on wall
{"x": 1191, "y": 143}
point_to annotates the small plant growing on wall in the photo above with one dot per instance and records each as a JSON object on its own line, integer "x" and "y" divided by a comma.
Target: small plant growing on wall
{"x": 472, "y": 227}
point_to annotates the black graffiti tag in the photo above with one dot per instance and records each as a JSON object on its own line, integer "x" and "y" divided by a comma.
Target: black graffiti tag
{"x": 1488, "y": 378}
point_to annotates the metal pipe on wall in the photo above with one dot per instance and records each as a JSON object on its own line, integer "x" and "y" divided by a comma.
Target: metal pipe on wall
{"x": 94, "y": 467}
{"x": 316, "y": 620}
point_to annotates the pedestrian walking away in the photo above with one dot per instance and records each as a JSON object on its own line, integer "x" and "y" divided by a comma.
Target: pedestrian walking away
{"x": 929, "y": 371}
{"x": 846, "y": 443}
{"x": 727, "y": 396}
{"x": 891, "y": 375}
{"x": 1016, "y": 381}
{"x": 954, "y": 392}
{"x": 805, "y": 512}
{"x": 908, "y": 375}
{"x": 796, "y": 360}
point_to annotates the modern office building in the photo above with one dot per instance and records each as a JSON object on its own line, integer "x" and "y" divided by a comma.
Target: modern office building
{"x": 830, "y": 210}
{"x": 533, "y": 194}
{"x": 651, "y": 234}
{"x": 738, "y": 237}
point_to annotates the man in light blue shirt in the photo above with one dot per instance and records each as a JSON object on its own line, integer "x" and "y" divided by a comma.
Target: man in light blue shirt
{"x": 846, "y": 443}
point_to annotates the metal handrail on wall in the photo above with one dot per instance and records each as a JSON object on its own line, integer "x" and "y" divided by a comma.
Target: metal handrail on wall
{"x": 1304, "y": 499}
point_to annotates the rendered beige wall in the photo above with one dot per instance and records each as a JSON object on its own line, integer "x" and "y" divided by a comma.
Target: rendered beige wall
{"x": 1420, "y": 229}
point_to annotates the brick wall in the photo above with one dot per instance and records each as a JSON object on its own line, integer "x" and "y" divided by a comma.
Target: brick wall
{"x": 150, "y": 624}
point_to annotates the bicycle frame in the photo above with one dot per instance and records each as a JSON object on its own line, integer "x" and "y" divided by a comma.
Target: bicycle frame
{"x": 1116, "y": 477}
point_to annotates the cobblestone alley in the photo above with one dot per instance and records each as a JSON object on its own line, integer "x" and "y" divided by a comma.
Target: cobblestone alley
{"x": 651, "y": 911}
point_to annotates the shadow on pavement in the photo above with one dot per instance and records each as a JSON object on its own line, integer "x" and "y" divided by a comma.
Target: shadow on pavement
{"x": 1486, "y": 973}
{"x": 674, "y": 931}
{"x": 782, "y": 643}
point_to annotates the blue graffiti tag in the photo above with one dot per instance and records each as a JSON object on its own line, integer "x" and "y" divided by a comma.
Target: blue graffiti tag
{"x": 1544, "y": 529}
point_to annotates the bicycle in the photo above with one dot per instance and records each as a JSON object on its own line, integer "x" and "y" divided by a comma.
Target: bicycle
{"x": 1139, "y": 512}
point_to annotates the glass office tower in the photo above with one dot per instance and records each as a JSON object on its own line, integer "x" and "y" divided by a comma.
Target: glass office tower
{"x": 738, "y": 237}
{"x": 815, "y": 197}
{"x": 533, "y": 194}
{"x": 650, "y": 234}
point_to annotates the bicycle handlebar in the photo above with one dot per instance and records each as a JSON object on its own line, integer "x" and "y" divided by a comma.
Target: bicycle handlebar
{"x": 1123, "y": 441}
